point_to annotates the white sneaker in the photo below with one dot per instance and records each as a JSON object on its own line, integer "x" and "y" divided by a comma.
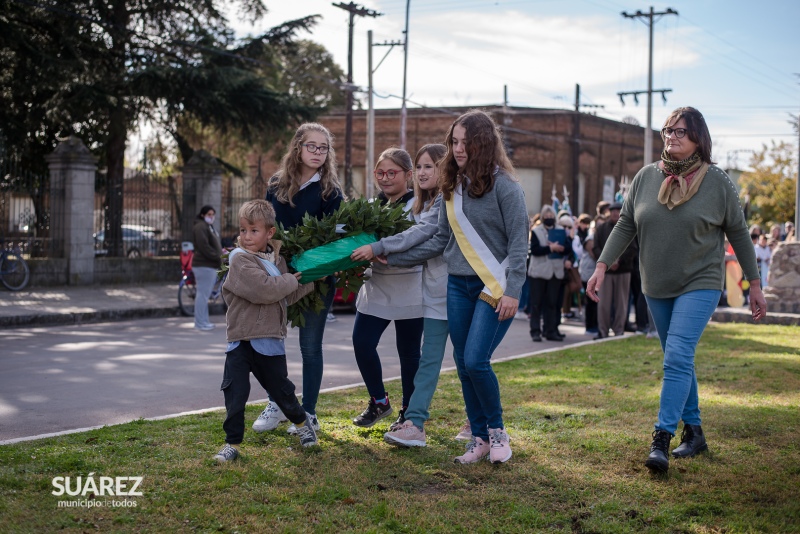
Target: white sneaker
{"x": 269, "y": 419}
{"x": 331, "y": 318}
{"x": 206, "y": 327}
{"x": 314, "y": 424}
{"x": 521, "y": 315}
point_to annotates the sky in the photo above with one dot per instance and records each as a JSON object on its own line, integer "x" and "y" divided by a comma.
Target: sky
{"x": 733, "y": 60}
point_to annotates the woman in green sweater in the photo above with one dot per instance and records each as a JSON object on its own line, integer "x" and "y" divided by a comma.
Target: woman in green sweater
{"x": 682, "y": 208}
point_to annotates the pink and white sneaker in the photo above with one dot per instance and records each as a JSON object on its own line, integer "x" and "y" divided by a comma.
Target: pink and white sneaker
{"x": 477, "y": 450}
{"x": 407, "y": 435}
{"x": 465, "y": 434}
{"x": 500, "y": 450}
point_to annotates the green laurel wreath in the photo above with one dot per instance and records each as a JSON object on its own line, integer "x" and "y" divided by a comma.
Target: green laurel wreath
{"x": 354, "y": 217}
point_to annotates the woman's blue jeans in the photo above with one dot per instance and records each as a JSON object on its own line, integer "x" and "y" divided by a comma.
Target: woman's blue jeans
{"x": 367, "y": 332}
{"x": 205, "y": 278}
{"x": 310, "y": 337}
{"x": 680, "y": 322}
{"x": 434, "y": 342}
{"x": 475, "y": 332}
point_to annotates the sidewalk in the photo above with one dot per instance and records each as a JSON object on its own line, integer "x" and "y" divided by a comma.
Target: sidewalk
{"x": 91, "y": 304}
{"x": 86, "y": 304}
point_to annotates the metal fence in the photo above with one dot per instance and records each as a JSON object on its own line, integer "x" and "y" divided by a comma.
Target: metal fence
{"x": 151, "y": 215}
{"x": 235, "y": 192}
{"x": 25, "y": 217}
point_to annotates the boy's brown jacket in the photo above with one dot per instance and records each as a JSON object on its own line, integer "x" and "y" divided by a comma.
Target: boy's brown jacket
{"x": 256, "y": 305}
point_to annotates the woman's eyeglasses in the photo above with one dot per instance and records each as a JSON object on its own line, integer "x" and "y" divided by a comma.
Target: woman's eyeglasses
{"x": 677, "y": 132}
{"x": 314, "y": 148}
{"x": 390, "y": 174}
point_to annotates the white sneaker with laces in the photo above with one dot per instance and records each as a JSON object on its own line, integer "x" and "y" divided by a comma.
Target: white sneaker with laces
{"x": 269, "y": 419}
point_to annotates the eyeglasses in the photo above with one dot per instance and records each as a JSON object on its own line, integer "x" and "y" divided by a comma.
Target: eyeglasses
{"x": 314, "y": 148}
{"x": 390, "y": 174}
{"x": 669, "y": 132}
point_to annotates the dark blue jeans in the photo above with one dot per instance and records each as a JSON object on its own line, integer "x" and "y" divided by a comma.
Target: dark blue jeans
{"x": 367, "y": 332}
{"x": 475, "y": 332}
{"x": 311, "y": 349}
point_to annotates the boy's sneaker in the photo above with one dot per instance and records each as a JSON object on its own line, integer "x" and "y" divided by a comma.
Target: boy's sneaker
{"x": 373, "y": 413}
{"x": 477, "y": 450}
{"x": 307, "y": 434}
{"x": 500, "y": 451}
{"x": 399, "y": 422}
{"x": 314, "y": 424}
{"x": 407, "y": 434}
{"x": 269, "y": 419}
{"x": 465, "y": 434}
{"x": 226, "y": 454}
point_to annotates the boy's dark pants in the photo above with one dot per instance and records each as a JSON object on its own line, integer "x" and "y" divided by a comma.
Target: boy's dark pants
{"x": 271, "y": 373}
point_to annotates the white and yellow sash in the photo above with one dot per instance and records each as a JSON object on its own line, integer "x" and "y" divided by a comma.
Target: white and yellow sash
{"x": 477, "y": 254}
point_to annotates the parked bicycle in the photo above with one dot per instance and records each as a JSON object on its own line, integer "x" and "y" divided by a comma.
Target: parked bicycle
{"x": 187, "y": 289}
{"x": 14, "y": 271}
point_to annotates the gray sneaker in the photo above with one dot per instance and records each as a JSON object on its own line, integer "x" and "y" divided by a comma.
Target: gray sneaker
{"x": 314, "y": 424}
{"x": 226, "y": 454}
{"x": 269, "y": 419}
{"x": 307, "y": 434}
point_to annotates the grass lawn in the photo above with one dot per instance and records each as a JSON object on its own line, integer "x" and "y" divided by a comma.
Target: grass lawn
{"x": 580, "y": 422}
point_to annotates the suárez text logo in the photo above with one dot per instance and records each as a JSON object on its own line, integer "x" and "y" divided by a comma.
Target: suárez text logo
{"x": 100, "y": 486}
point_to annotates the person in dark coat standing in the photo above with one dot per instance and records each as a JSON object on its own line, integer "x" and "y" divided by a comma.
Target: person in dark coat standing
{"x": 206, "y": 262}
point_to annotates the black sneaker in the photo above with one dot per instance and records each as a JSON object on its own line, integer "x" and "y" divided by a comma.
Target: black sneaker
{"x": 372, "y": 414}
{"x": 306, "y": 433}
{"x": 400, "y": 420}
{"x": 226, "y": 454}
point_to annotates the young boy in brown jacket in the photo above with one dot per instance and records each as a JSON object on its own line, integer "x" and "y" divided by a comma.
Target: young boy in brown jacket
{"x": 257, "y": 291}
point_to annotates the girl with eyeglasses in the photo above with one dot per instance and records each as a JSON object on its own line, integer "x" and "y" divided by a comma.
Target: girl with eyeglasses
{"x": 682, "y": 208}
{"x": 427, "y": 203}
{"x": 306, "y": 182}
{"x": 391, "y": 294}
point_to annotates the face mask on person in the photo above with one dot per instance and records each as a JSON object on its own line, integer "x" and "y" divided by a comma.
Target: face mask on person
{"x": 548, "y": 222}
{"x": 209, "y": 219}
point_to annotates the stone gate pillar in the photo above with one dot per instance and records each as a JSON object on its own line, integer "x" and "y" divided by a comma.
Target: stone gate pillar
{"x": 202, "y": 184}
{"x": 72, "y": 176}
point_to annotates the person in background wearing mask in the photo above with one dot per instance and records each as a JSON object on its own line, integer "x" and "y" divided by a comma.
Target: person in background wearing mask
{"x": 548, "y": 259}
{"x": 206, "y": 262}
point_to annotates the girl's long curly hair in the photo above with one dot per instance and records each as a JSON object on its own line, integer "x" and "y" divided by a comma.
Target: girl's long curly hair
{"x": 286, "y": 182}
{"x": 421, "y": 196}
{"x": 485, "y": 152}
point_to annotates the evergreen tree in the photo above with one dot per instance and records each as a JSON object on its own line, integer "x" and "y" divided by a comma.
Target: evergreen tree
{"x": 94, "y": 68}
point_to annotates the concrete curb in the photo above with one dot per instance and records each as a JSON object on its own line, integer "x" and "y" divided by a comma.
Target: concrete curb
{"x": 741, "y": 315}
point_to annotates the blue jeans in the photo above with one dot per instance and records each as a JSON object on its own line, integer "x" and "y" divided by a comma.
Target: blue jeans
{"x": 680, "y": 322}
{"x": 311, "y": 349}
{"x": 367, "y": 332}
{"x": 475, "y": 332}
{"x": 434, "y": 341}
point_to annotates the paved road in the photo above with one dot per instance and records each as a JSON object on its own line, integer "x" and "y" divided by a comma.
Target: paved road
{"x": 54, "y": 379}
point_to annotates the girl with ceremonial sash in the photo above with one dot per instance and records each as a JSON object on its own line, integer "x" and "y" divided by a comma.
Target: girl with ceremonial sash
{"x": 427, "y": 202}
{"x": 483, "y": 235}
{"x": 391, "y": 294}
{"x": 306, "y": 183}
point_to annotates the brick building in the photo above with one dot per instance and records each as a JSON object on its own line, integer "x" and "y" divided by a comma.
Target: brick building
{"x": 540, "y": 143}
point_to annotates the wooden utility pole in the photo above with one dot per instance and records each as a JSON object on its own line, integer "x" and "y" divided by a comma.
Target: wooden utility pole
{"x": 353, "y": 9}
{"x": 648, "y": 133}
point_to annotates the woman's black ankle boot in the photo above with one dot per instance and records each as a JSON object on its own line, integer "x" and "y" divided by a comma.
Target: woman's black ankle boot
{"x": 658, "y": 461}
{"x": 692, "y": 442}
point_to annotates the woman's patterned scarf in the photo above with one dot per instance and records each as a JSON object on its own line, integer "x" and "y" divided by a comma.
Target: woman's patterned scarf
{"x": 683, "y": 179}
